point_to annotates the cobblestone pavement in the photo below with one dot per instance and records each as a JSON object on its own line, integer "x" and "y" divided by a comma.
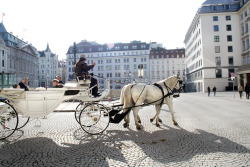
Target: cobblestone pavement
{"x": 212, "y": 131}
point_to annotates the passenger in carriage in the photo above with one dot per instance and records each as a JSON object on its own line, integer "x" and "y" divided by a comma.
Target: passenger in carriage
{"x": 15, "y": 86}
{"x": 23, "y": 83}
{"x": 58, "y": 77}
{"x": 56, "y": 84}
{"x": 82, "y": 69}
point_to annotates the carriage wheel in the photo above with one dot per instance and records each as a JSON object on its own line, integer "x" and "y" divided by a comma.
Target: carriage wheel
{"x": 78, "y": 110}
{"x": 22, "y": 121}
{"x": 8, "y": 120}
{"x": 94, "y": 118}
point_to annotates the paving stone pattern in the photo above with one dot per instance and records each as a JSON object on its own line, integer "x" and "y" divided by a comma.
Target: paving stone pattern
{"x": 211, "y": 132}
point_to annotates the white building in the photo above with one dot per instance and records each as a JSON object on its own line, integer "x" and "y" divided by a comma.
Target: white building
{"x": 165, "y": 63}
{"x": 48, "y": 67}
{"x": 118, "y": 62}
{"x": 244, "y": 70}
{"x": 213, "y": 46}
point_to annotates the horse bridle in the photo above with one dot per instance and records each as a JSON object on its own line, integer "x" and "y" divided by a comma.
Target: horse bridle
{"x": 171, "y": 90}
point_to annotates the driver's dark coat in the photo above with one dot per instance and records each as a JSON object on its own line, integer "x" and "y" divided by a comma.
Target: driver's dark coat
{"x": 82, "y": 67}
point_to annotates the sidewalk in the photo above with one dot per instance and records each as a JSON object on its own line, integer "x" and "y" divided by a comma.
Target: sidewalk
{"x": 222, "y": 95}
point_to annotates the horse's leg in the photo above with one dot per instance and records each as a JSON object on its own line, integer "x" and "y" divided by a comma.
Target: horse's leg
{"x": 126, "y": 120}
{"x": 170, "y": 106}
{"x": 158, "y": 109}
{"x": 135, "y": 112}
{"x": 139, "y": 119}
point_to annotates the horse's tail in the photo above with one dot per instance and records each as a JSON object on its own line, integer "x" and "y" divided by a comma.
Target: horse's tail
{"x": 126, "y": 96}
{"x": 122, "y": 95}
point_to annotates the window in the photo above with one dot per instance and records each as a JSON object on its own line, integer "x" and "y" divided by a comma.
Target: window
{"x": 228, "y": 17}
{"x": 231, "y": 61}
{"x": 229, "y": 28}
{"x": 229, "y": 38}
{"x": 218, "y": 73}
{"x": 227, "y": 7}
{"x": 230, "y": 48}
{"x": 217, "y": 49}
{"x": 218, "y": 61}
{"x": 215, "y": 18}
{"x": 214, "y": 7}
{"x": 134, "y": 59}
{"x": 2, "y": 63}
{"x": 216, "y": 38}
{"x": 216, "y": 28}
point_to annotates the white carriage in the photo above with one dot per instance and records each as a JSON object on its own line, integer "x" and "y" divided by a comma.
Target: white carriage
{"x": 17, "y": 106}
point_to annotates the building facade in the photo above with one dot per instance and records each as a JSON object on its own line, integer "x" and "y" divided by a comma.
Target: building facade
{"x": 18, "y": 58}
{"x": 119, "y": 62}
{"x": 165, "y": 63}
{"x": 244, "y": 69}
{"x": 213, "y": 46}
{"x": 48, "y": 67}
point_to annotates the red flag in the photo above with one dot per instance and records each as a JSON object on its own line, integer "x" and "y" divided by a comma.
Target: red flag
{"x": 3, "y": 14}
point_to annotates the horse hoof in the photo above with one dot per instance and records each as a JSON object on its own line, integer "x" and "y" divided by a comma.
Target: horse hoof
{"x": 138, "y": 127}
{"x": 175, "y": 123}
{"x": 151, "y": 120}
{"x": 158, "y": 125}
{"x": 139, "y": 121}
{"x": 125, "y": 125}
{"x": 160, "y": 120}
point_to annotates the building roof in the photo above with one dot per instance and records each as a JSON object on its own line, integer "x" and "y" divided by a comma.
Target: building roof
{"x": 47, "y": 49}
{"x": 2, "y": 27}
{"x": 89, "y": 47}
{"x": 215, "y": 2}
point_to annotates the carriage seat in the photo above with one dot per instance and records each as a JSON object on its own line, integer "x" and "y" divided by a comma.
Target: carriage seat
{"x": 84, "y": 79}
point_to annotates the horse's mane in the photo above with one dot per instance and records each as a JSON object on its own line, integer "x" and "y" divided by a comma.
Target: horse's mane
{"x": 164, "y": 80}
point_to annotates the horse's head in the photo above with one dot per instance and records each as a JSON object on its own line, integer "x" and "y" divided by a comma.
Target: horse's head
{"x": 174, "y": 82}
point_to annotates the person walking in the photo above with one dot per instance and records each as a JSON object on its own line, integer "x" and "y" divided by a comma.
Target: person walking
{"x": 214, "y": 89}
{"x": 208, "y": 91}
{"x": 247, "y": 90}
{"x": 240, "y": 90}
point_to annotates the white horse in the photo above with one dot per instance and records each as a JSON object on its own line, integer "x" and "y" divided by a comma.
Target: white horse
{"x": 133, "y": 96}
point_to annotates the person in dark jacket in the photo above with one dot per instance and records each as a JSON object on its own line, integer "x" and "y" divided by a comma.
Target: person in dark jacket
{"x": 82, "y": 68}
{"x": 214, "y": 90}
{"x": 208, "y": 91}
{"x": 23, "y": 83}
{"x": 247, "y": 90}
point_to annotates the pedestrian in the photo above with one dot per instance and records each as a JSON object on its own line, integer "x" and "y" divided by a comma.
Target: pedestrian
{"x": 58, "y": 77}
{"x": 214, "y": 90}
{"x": 247, "y": 90}
{"x": 23, "y": 83}
{"x": 240, "y": 90}
{"x": 208, "y": 91}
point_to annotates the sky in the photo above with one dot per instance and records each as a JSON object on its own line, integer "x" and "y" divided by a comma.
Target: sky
{"x": 60, "y": 23}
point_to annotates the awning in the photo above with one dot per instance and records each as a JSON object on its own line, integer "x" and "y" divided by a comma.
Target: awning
{"x": 244, "y": 69}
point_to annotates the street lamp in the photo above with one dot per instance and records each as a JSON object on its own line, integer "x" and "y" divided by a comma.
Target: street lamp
{"x": 140, "y": 70}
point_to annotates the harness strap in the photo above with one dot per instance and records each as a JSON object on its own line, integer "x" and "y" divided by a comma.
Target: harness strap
{"x": 159, "y": 86}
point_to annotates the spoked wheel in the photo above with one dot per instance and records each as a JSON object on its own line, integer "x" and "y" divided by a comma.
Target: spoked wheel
{"x": 94, "y": 118}
{"x": 8, "y": 120}
{"x": 79, "y": 108}
{"x": 22, "y": 121}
